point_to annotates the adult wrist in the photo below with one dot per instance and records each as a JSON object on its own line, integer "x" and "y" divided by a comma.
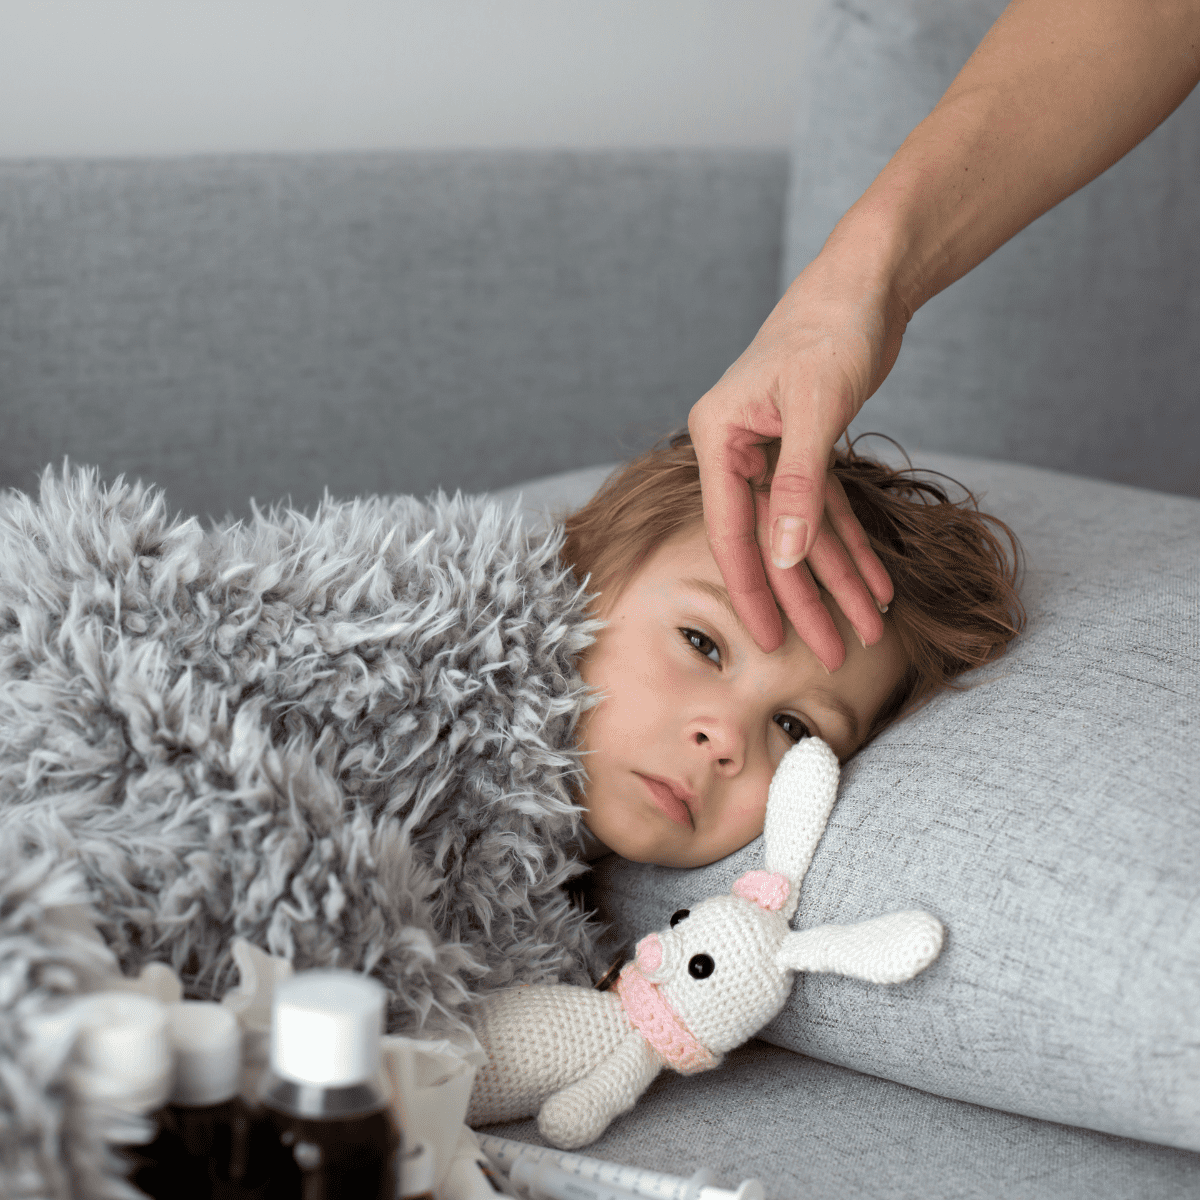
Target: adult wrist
{"x": 860, "y": 273}
{"x": 879, "y": 246}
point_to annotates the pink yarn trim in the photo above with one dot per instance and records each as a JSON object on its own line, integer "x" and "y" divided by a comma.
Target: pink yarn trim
{"x": 765, "y": 888}
{"x": 649, "y": 953}
{"x": 660, "y": 1025}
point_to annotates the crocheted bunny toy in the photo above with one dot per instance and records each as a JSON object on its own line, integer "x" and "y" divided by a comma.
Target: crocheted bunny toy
{"x": 578, "y": 1057}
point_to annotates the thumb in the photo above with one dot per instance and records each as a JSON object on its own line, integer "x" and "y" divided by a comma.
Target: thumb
{"x": 797, "y": 497}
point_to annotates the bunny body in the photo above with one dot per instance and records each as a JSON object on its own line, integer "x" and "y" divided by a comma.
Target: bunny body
{"x": 570, "y": 1054}
{"x": 696, "y": 990}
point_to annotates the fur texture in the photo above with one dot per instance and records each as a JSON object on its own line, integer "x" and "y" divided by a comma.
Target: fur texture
{"x": 347, "y": 737}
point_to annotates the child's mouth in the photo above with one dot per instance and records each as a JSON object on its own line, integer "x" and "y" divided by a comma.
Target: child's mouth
{"x": 667, "y": 799}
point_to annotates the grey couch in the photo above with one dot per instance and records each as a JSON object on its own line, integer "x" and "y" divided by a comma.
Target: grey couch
{"x": 237, "y": 328}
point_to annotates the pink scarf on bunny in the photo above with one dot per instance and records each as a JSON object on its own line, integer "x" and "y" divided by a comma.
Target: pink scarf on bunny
{"x": 659, "y": 1024}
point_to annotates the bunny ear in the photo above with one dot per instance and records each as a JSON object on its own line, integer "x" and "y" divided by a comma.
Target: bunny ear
{"x": 798, "y": 807}
{"x": 889, "y": 949}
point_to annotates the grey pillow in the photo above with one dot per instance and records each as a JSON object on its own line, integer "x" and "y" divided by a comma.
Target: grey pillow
{"x": 1050, "y": 815}
{"x": 1074, "y": 346}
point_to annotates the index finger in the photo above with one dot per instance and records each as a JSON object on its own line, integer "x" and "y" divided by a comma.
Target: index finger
{"x": 729, "y": 523}
{"x": 798, "y": 596}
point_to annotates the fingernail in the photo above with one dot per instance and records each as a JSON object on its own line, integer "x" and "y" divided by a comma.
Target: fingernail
{"x": 787, "y": 541}
{"x": 862, "y": 641}
{"x": 882, "y": 607}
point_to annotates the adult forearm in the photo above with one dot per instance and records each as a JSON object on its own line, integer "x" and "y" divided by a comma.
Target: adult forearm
{"x": 1055, "y": 93}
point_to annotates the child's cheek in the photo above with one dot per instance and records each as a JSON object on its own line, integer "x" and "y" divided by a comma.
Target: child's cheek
{"x": 745, "y": 816}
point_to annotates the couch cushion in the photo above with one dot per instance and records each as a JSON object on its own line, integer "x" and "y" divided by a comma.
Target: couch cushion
{"x": 1049, "y": 815}
{"x": 1074, "y": 345}
{"x": 808, "y": 1129}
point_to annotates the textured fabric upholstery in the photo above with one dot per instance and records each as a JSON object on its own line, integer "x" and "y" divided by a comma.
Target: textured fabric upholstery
{"x": 1048, "y": 816}
{"x": 812, "y": 1131}
{"x": 1075, "y": 345}
{"x": 239, "y": 326}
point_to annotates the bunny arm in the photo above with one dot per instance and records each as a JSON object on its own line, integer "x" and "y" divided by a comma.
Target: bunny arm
{"x": 580, "y": 1113}
{"x": 888, "y": 949}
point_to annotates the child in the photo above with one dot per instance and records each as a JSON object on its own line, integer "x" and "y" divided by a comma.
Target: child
{"x": 362, "y": 737}
{"x": 695, "y": 717}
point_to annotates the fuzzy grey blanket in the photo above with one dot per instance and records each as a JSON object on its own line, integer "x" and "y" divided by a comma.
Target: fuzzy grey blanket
{"x": 346, "y": 737}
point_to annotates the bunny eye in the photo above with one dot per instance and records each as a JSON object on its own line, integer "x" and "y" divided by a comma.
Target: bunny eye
{"x": 701, "y": 966}
{"x": 680, "y": 914}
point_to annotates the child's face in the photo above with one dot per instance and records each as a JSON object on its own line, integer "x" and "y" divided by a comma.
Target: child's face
{"x": 695, "y": 717}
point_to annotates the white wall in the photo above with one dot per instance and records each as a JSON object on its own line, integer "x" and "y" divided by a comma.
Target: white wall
{"x": 131, "y": 77}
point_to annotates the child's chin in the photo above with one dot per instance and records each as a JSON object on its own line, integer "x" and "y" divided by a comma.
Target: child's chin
{"x": 662, "y": 856}
{"x": 639, "y": 850}
{"x": 654, "y": 849}
{"x": 639, "y": 854}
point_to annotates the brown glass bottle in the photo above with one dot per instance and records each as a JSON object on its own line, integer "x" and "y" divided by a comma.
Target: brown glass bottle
{"x": 332, "y": 1131}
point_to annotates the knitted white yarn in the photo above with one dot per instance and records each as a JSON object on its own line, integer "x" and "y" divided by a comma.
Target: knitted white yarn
{"x": 578, "y": 1058}
{"x": 745, "y": 989}
{"x": 799, "y": 802}
{"x": 889, "y": 949}
{"x": 539, "y": 1040}
{"x": 569, "y": 1054}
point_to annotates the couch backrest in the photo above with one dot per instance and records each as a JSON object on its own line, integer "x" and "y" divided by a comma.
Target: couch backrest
{"x": 268, "y": 326}
{"x": 1076, "y": 345}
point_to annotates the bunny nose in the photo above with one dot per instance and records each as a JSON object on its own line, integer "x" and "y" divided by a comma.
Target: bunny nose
{"x": 649, "y": 953}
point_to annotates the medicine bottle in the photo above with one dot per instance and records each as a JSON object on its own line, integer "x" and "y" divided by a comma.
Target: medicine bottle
{"x": 324, "y": 1092}
{"x": 209, "y": 1146}
{"x": 123, "y": 1061}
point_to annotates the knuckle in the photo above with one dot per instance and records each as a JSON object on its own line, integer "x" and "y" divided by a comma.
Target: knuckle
{"x": 795, "y": 485}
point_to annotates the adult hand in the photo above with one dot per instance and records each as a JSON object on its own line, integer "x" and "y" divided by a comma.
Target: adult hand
{"x": 1055, "y": 93}
{"x": 821, "y": 353}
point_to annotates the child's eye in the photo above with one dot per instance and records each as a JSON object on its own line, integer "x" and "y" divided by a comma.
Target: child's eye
{"x": 702, "y": 643}
{"x": 793, "y": 726}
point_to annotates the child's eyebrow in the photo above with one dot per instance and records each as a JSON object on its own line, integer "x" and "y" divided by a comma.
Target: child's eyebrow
{"x": 839, "y": 705}
{"x": 721, "y": 596}
{"x": 715, "y": 592}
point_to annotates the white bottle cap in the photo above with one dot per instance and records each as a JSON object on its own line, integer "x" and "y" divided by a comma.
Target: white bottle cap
{"x": 123, "y": 1051}
{"x": 207, "y": 1041}
{"x": 325, "y": 1028}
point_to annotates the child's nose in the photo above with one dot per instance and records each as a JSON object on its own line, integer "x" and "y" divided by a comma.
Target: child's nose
{"x": 721, "y": 741}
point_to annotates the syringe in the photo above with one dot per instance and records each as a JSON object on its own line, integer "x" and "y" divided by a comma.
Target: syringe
{"x": 637, "y": 1181}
